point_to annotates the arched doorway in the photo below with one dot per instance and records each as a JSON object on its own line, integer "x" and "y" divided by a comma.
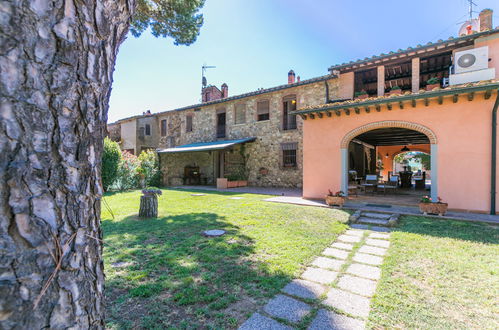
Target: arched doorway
{"x": 379, "y": 137}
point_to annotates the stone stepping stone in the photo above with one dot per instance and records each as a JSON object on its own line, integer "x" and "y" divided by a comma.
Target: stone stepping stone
{"x": 358, "y": 233}
{"x": 349, "y": 239}
{"x": 372, "y": 250}
{"x": 373, "y": 221}
{"x": 258, "y": 321}
{"x": 377, "y": 215}
{"x": 287, "y": 308}
{"x": 379, "y": 235}
{"x": 373, "y": 273}
{"x": 236, "y": 198}
{"x": 332, "y": 252}
{"x": 350, "y": 303}
{"x": 357, "y": 285}
{"x": 214, "y": 233}
{"x": 359, "y": 226}
{"x": 198, "y": 194}
{"x": 329, "y": 320}
{"x": 324, "y": 262}
{"x": 343, "y": 246}
{"x": 304, "y": 289}
{"x": 368, "y": 259}
{"x": 319, "y": 275}
{"x": 380, "y": 229}
{"x": 378, "y": 242}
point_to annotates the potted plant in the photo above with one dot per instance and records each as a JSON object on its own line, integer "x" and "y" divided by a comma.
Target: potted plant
{"x": 361, "y": 95}
{"x": 337, "y": 198}
{"x": 432, "y": 83}
{"x": 395, "y": 90}
{"x": 428, "y": 207}
{"x": 232, "y": 181}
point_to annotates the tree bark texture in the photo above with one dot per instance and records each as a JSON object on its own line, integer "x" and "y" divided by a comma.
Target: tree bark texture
{"x": 148, "y": 206}
{"x": 56, "y": 64}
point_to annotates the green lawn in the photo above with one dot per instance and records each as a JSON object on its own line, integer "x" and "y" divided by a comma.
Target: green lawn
{"x": 439, "y": 275}
{"x": 163, "y": 273}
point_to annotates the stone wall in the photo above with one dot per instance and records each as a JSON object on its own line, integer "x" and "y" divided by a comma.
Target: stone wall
{"x": 172, "y": 166}
{"x": 147, "y": 141}
{"x": 264, "y": 156}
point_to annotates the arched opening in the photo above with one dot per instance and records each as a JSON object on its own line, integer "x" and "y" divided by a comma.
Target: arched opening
{"x": 399, "y": 156}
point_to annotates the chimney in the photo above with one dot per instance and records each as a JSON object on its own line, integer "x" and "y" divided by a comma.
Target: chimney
{"x": 485, "y": 18}
{"x": 291, "y": 77}
{"x": 298, "y": 79}
{"x": 225, "y": 90}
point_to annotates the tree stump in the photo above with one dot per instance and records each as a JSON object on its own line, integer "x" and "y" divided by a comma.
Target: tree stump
{"x": 148, "y": 206}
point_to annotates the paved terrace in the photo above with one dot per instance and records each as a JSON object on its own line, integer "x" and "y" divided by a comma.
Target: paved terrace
{"x": 293, "y": 196}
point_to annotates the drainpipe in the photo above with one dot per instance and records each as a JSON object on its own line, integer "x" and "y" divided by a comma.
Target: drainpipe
{"x": 494, "y": 157}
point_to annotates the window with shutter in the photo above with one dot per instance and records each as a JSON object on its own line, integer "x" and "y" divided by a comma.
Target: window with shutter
{"x": 188, "y": 123}
{"x": 289, "y": 120}
{"x": 263, "y": 110}
{"x": 240, "y": 114}
{"x": 163, "y": 127}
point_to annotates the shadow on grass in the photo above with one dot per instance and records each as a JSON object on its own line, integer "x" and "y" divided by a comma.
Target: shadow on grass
{"x": 164, "y": 272}
{"x": 468, "y": 231}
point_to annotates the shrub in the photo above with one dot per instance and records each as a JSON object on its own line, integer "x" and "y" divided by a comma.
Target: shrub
{"x": 395, "y": 88}
{"x": 149, "y": 168}
{"x": 433, "y": 81}
{"x": 127, "y": 177}
{"x": 110, "y": 162}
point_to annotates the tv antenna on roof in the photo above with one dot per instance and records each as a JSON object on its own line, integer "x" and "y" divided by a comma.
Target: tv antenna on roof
{"x": 204, "y": 82}
{"x": 470, "y": 10}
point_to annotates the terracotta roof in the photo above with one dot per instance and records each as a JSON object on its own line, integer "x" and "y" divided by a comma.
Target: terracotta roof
{"x": 422, "y": 94}
{"x": 403, "y": 52}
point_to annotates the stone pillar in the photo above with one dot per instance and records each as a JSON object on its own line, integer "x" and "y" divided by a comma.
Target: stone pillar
{"x": 434, "y": 171}
{"x": 381, "y": 80}
{"x": 344, "y": 170}
{"x": 415, "y": 75}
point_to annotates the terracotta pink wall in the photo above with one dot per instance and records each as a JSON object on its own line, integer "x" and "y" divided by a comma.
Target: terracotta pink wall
{"x": 463, "y": 132}
{"x": 392, "y": 151}
{"x": 493, "y": 43}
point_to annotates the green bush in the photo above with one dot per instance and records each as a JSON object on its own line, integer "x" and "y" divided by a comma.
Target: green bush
{"x": 127, "y": 176}
{"x": 149, "y": 168}
{"x": 110, "y": 162}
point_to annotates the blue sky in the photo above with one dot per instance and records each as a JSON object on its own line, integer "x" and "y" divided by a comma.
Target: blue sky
{"x": 254, "y": 43}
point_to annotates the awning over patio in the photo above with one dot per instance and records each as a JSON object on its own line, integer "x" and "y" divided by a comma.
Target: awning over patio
{"x": 207, "y": 146}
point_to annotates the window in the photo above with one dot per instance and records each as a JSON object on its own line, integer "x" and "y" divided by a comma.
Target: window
{"x": 289, "y": 154}
{"x": 221, "y": 117}
{"x": 163, "y": 127}
{"x": 239, "y": 114}
{"x": 188, "y": 123}
{"x": 262, "y": 110}
{"x": 148, "y": 129}
{"x": 289, "y": 120}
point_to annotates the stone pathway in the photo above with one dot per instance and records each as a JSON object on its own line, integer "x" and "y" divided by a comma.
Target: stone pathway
{"x": 334, "y": 292}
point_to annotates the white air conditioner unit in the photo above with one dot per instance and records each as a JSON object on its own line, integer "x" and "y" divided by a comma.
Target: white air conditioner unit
{"x": 471, "y": 65}
{"x": 471, "y": 60}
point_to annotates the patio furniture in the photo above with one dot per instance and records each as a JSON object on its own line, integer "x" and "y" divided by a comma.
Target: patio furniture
{"x": 353, "y": 189}
{"x": 391, "y": 184}
{"x": 405, "y": 179}
{"x": 420, "y": 181}
{"x": 371, "y": 182}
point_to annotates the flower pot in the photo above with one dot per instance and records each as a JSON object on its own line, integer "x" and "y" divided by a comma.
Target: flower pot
{"x": 432, "y": 87}
{"x": 232, "y": 184}
{"x": 335, "y": 200}
{"x": 396, "y": 92}
{"x": 242, "y": 183}
{"x": 363, "y": 96}
{"x": 222, "y": 183}
{"x": 433, "y": 208}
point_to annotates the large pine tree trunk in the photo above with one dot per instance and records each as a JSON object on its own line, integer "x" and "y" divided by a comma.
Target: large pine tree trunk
{"x": 56, "y": 62}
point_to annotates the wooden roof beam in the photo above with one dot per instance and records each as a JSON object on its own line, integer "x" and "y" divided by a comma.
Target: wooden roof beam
{"x": 487, "y": 94}
{"x": 455, "y": 98}
{"x": 471, "y": 96}
{"x": 378, "y": 107}
{"x": 319, "y": 114}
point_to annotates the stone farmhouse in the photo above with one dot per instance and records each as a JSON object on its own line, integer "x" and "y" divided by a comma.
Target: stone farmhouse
{"x": 332, "y": 131}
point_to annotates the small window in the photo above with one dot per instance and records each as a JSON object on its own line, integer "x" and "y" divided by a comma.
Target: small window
{"x": 239, "y": 114}
{"x": 148, "y": 129}
{"x": 188, "y": 123}
{"x": 289, "y": 154}
{"x": 262, "y": 110}
{"x": 288, "y": 119}
{"x": 163, "y": 127}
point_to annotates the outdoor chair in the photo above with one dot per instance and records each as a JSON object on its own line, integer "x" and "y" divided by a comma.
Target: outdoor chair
{"x": 391, "y": 184}
{"x": 371, "y": 183}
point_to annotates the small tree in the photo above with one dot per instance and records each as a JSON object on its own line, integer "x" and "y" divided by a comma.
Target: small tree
{"x": 110, "y": 162}
{"x": 149, "y": 168}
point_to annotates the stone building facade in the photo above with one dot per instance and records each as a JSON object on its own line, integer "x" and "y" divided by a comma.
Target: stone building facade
{"x": 260, "y": 161}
